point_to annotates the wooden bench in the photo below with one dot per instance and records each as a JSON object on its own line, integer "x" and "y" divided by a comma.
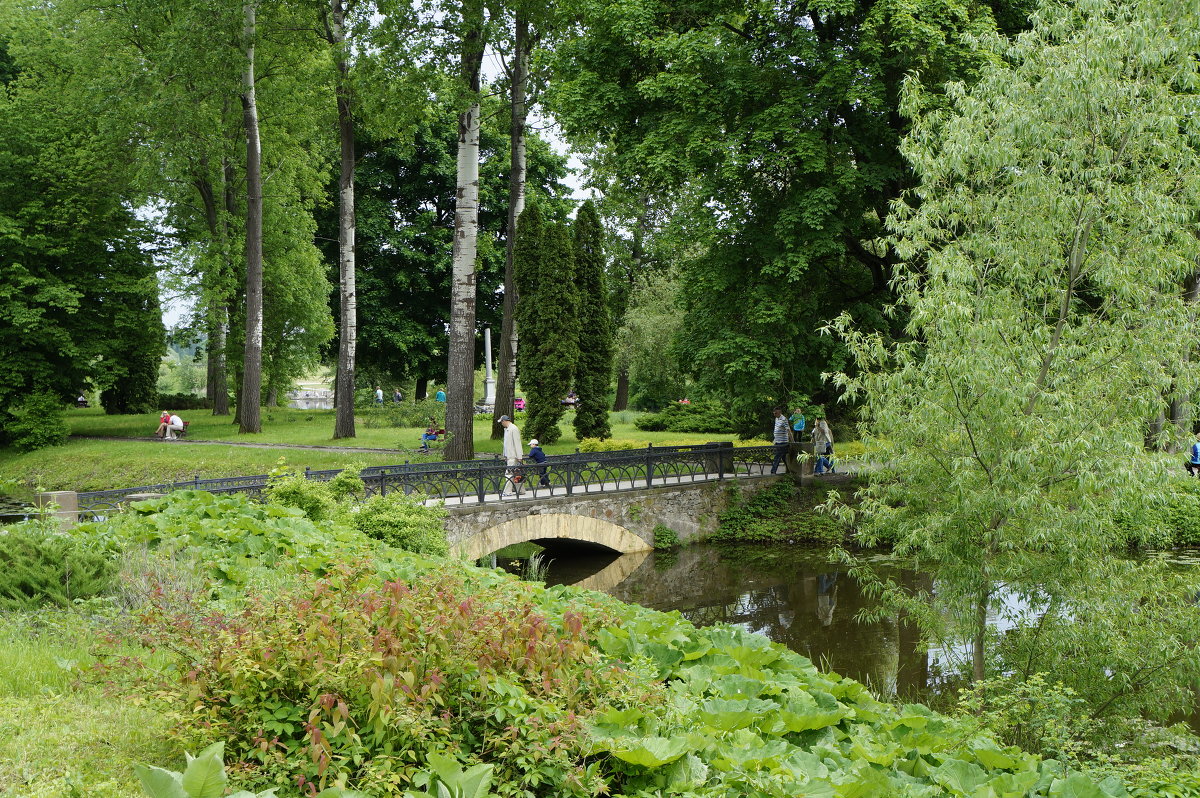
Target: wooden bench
{"x": 183, "y": 432}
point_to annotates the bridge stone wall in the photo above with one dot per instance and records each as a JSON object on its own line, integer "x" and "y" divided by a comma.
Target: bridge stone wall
{"x": 623, "y": 521}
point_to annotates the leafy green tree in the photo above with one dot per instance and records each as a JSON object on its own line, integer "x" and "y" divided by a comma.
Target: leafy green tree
{"x": 77, "y": 287}
{"x": 593, "y": 374}
{"x": 1043, "y": 250}
{"x": 644, "y": 343}
{"x": 773, "y": 128}
{"x": 548, "y": 316}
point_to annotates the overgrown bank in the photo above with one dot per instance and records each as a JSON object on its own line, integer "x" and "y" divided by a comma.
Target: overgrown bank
{"x": 322, "y": 656}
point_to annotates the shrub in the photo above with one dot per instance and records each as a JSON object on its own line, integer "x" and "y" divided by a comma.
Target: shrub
{"x": 694, "y": 417}
{"x": 183, "y": 401}
{"x": 359, "y": 682}
{"x": 778, "y": 514}
{"x": 288, "y": 487}
{"x": 41, "y": 565}
{"x": 405, "y": 414}
{"x": 403, "y": 522}
{"x": 37, "y": 423}
{"x": 665, "y": 537}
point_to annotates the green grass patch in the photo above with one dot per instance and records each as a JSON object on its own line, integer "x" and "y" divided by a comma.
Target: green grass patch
{"x": 781, "y": 513}
{"x": 100, "y": 464}
{"x": 60, "y": 738}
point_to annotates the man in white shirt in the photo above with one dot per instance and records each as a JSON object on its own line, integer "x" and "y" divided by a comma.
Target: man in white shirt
{"x": 174, "y": 424}
{"x": 512, "y": 455}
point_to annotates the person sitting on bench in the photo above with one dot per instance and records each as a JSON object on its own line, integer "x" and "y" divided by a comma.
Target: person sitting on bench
{"x": 430, "y": 434}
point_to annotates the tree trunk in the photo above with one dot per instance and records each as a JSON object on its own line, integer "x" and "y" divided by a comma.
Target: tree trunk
{"x": 250, "y": 396}
{"x": 219, "y": 388}
{"x": 272, "y": 396}
{"x": 344, "y": 423}
{"x": 621, "y": 402}
{"x": 506, "y": 372}
{"x": 977, "y": 644}
{"x": 215, "y": 333}
{"x": 421, "y": 389}
{"x": 460, "y": 368}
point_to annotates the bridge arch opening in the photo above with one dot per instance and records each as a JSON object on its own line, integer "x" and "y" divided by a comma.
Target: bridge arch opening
{"x": 555, "y": 530}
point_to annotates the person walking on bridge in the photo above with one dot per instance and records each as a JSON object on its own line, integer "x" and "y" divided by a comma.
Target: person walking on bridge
{"x": 782, "y": 436}
{"x": 512, "y": 457}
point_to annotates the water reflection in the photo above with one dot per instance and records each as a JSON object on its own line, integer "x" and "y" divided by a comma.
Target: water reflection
{"x": 795, "y": 597}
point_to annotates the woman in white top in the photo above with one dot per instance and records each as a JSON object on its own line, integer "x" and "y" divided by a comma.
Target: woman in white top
{"x": 823, "y": 447}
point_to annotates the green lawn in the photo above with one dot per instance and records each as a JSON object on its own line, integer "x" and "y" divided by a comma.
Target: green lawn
{"x": 99, "y": 464}
{"x": 58, "y": 736}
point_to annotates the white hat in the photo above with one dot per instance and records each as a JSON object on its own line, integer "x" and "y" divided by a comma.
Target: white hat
{"x": 533, "y": 442}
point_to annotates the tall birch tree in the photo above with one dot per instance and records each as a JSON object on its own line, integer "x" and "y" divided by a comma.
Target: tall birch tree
{"x": 460, "y": 368}
{"x": 506, "y": 372}
{"x": 343, "y": 426}
{"x": 250, "y": 393}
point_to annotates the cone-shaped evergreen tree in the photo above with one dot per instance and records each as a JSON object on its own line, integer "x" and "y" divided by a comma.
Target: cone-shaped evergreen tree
{"x": 594, "y": 372}
{"x": 548, "y": 317}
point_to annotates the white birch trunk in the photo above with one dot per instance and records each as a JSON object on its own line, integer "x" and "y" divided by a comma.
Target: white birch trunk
{"x": 460, "y": 375}
{"x": 249, "y": 397}
{"x": 506, "y": 384}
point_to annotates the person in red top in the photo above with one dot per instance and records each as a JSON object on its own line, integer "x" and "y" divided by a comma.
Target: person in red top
{"x": 163, "y": 421}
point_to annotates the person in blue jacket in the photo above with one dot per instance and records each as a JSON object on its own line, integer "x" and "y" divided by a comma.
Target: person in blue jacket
{"x": 798, "y": 423}
{"x": 539, "y": 457}
{"x": 1193, "y": 462}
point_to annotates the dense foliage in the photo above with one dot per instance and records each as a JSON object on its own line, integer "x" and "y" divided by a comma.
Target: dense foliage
{"x": 1057, "y": 198}
{"x": 700, "y": 416}
{"x": 593, "y": 374}
{"x": 77, "y": 290}
{"x": 781, "y": 513}
{"x": 547, "y": 315}
{"x": 35, "y": 422}
{"x": 762, "y": 139}
{"x": 41, "y": 565}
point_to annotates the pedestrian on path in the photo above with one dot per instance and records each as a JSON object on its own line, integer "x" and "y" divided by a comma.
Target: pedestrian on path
{"x": 1193, "y": 462}
{"x": 781, "y": 436}
{"x": 823, "y": 447}
{"x": 798, "y": 421}
{"x": 512, "y": 457}
{"x": 539, "y": 457}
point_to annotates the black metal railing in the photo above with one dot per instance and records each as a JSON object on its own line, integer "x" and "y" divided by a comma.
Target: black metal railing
{"x": 480, "y": 481}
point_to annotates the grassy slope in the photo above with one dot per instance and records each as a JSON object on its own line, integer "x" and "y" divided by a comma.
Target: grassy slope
{"x": 59, "y": 736}
{"x": 96, "y": 465}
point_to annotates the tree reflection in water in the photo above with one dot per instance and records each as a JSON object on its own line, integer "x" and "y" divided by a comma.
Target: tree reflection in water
{"x": 793, "y": 596}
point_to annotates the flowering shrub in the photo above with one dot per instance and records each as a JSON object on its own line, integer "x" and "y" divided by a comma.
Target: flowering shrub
{"x": 355, "y": 681}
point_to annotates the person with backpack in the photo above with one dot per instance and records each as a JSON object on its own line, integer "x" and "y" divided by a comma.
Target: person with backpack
{"x": 822, "y": 438}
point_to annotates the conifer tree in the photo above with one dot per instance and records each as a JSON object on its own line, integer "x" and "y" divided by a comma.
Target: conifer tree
{"x": 594, "y": 372}
{"x": 548, "y": 315}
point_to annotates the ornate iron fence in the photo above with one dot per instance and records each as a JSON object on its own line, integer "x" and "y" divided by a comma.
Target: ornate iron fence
{"x": 480, "y": 481}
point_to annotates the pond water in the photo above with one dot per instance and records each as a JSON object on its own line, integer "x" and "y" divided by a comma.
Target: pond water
{"x": 13, "y": 510}
{"x": 793, "y": 596}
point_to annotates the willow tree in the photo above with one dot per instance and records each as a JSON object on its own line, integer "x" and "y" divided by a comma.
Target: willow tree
{"x": 594, "y": 370}
{"x": 1041, "y": 258}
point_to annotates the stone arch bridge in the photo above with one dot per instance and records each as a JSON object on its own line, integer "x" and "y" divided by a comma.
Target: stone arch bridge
{"x": 623, "y": 522}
